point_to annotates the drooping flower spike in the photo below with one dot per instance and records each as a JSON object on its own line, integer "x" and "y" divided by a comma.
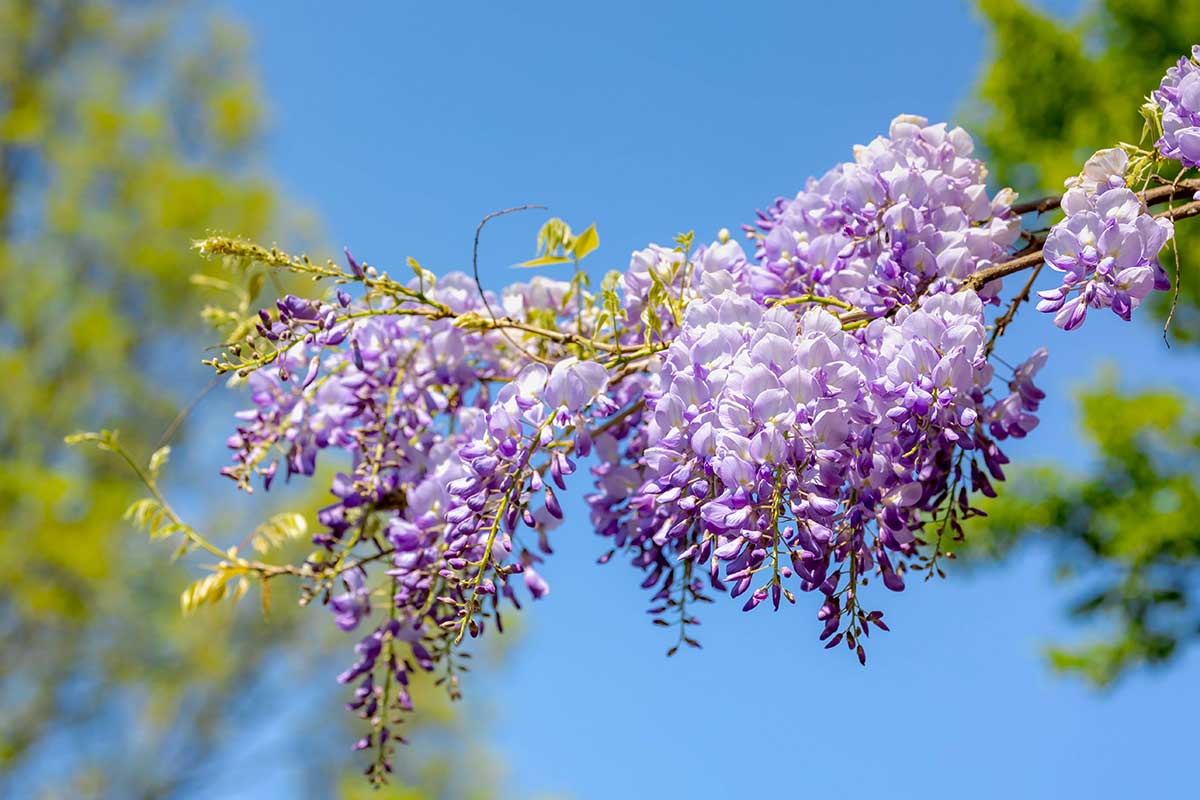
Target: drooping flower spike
{"x": 806, "y": 415}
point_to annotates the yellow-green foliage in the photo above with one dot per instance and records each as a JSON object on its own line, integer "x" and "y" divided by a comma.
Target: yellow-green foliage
{"x": 1126, "y": 529}
{"x": 1054, "y": 92}
{"x": 112, "y": 157}
{"x": 126, "y": 131}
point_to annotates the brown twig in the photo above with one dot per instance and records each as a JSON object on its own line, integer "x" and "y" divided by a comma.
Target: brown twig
{"x": 980, "y": 278}
{"x": 479, "y": 284}
{"x": 1041, "y": 205}
{"x": 1151, "y": 197}
{"x": 1025, "y": 260}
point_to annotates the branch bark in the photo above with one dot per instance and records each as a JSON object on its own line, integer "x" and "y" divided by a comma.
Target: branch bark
{"x": 1159, "y": 194}
{"x": 981, "y": 278}
{"x": 1025, "y": 260}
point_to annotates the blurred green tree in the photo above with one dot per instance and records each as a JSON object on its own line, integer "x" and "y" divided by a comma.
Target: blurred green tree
{"x": 1053, "y": 93}
{"x": 127, "y": 129}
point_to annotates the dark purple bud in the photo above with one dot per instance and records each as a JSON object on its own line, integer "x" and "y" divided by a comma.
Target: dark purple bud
{"x": 536, "y": 584}
{"x": 552, "y": 505}
{"x": 311, "y": 375}
{"x": 354, "y": 267}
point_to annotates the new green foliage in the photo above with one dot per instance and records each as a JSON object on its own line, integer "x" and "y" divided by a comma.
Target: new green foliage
{"x": 1054, "y": 92}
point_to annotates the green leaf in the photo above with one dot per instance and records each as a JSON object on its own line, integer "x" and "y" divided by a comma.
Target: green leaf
{"x": 141, "y": 511}
{"x": 544, "y": 261}
{"x": 611, "y": 302}
{"x": 427, "y": 279}
{"x": 208, "y": 589}
{"x": 159, "y": 459}
{"x": 553, "y": 236}
{"x": 470, "y": 321}
{"x": 105, "y": 439}
{"x": 684, "y": 241}
{"x": 278, "y": 529}
{"x": 586, "y": 242}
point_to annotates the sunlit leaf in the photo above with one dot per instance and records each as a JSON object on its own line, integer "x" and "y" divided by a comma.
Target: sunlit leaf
{"x": 544, "y": 261}
{"x": 586, "y": 242}
{"x": 159, "y": 459}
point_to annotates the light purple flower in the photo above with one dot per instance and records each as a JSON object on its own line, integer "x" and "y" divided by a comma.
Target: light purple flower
{"x": 1179, "y": 98}
{"x": 351, "y": 607}
{"x": 1106, "y": 247}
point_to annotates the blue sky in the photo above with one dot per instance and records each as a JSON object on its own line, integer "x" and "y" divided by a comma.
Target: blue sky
{"x": 401, "y": 124}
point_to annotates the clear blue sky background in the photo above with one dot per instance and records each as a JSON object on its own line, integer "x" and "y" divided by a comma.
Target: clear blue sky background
{"x": 401, "y": 124}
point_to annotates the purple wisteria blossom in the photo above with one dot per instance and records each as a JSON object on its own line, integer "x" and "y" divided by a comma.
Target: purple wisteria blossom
{"x": 1179, "y": 98}
{"x": 351, "y": 607}
{"x": 778, "y": 447}
{"x": 1107, "y": 246}
{"x": 805, "y": 419}
{"x": 1013, "y": 415}
{"x": 910, "y": 212}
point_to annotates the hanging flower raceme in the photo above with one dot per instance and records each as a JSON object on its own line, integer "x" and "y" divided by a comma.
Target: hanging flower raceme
{"x": 775, "y": 445}
{"x": 747, "y": 438}
{"x": 910, "y": 213}
{"x": 1107, "y": 246}
{"x": 539, "y": 415}
{"x": 800, "y": 421}
{"x": 1179, "y": 98}
{"x": 1012, "y": 415}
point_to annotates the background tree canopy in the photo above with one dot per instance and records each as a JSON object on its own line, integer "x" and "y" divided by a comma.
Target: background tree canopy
{"x": 1053, "y": 92}
{"x": 126, "y": 130}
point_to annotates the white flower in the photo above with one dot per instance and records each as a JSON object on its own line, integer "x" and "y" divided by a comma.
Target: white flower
{"x": 1100, "y": 169}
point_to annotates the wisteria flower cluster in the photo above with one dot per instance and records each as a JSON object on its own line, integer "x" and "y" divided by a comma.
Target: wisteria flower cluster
{"x": 910, "y": 215}
{"x": 805, "y": 418}
{"x": 796, "y": 421}
{"x": 1107, "y": 246}
{"x": 779, "y": 446}
{"x": 1179, "y": 98}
